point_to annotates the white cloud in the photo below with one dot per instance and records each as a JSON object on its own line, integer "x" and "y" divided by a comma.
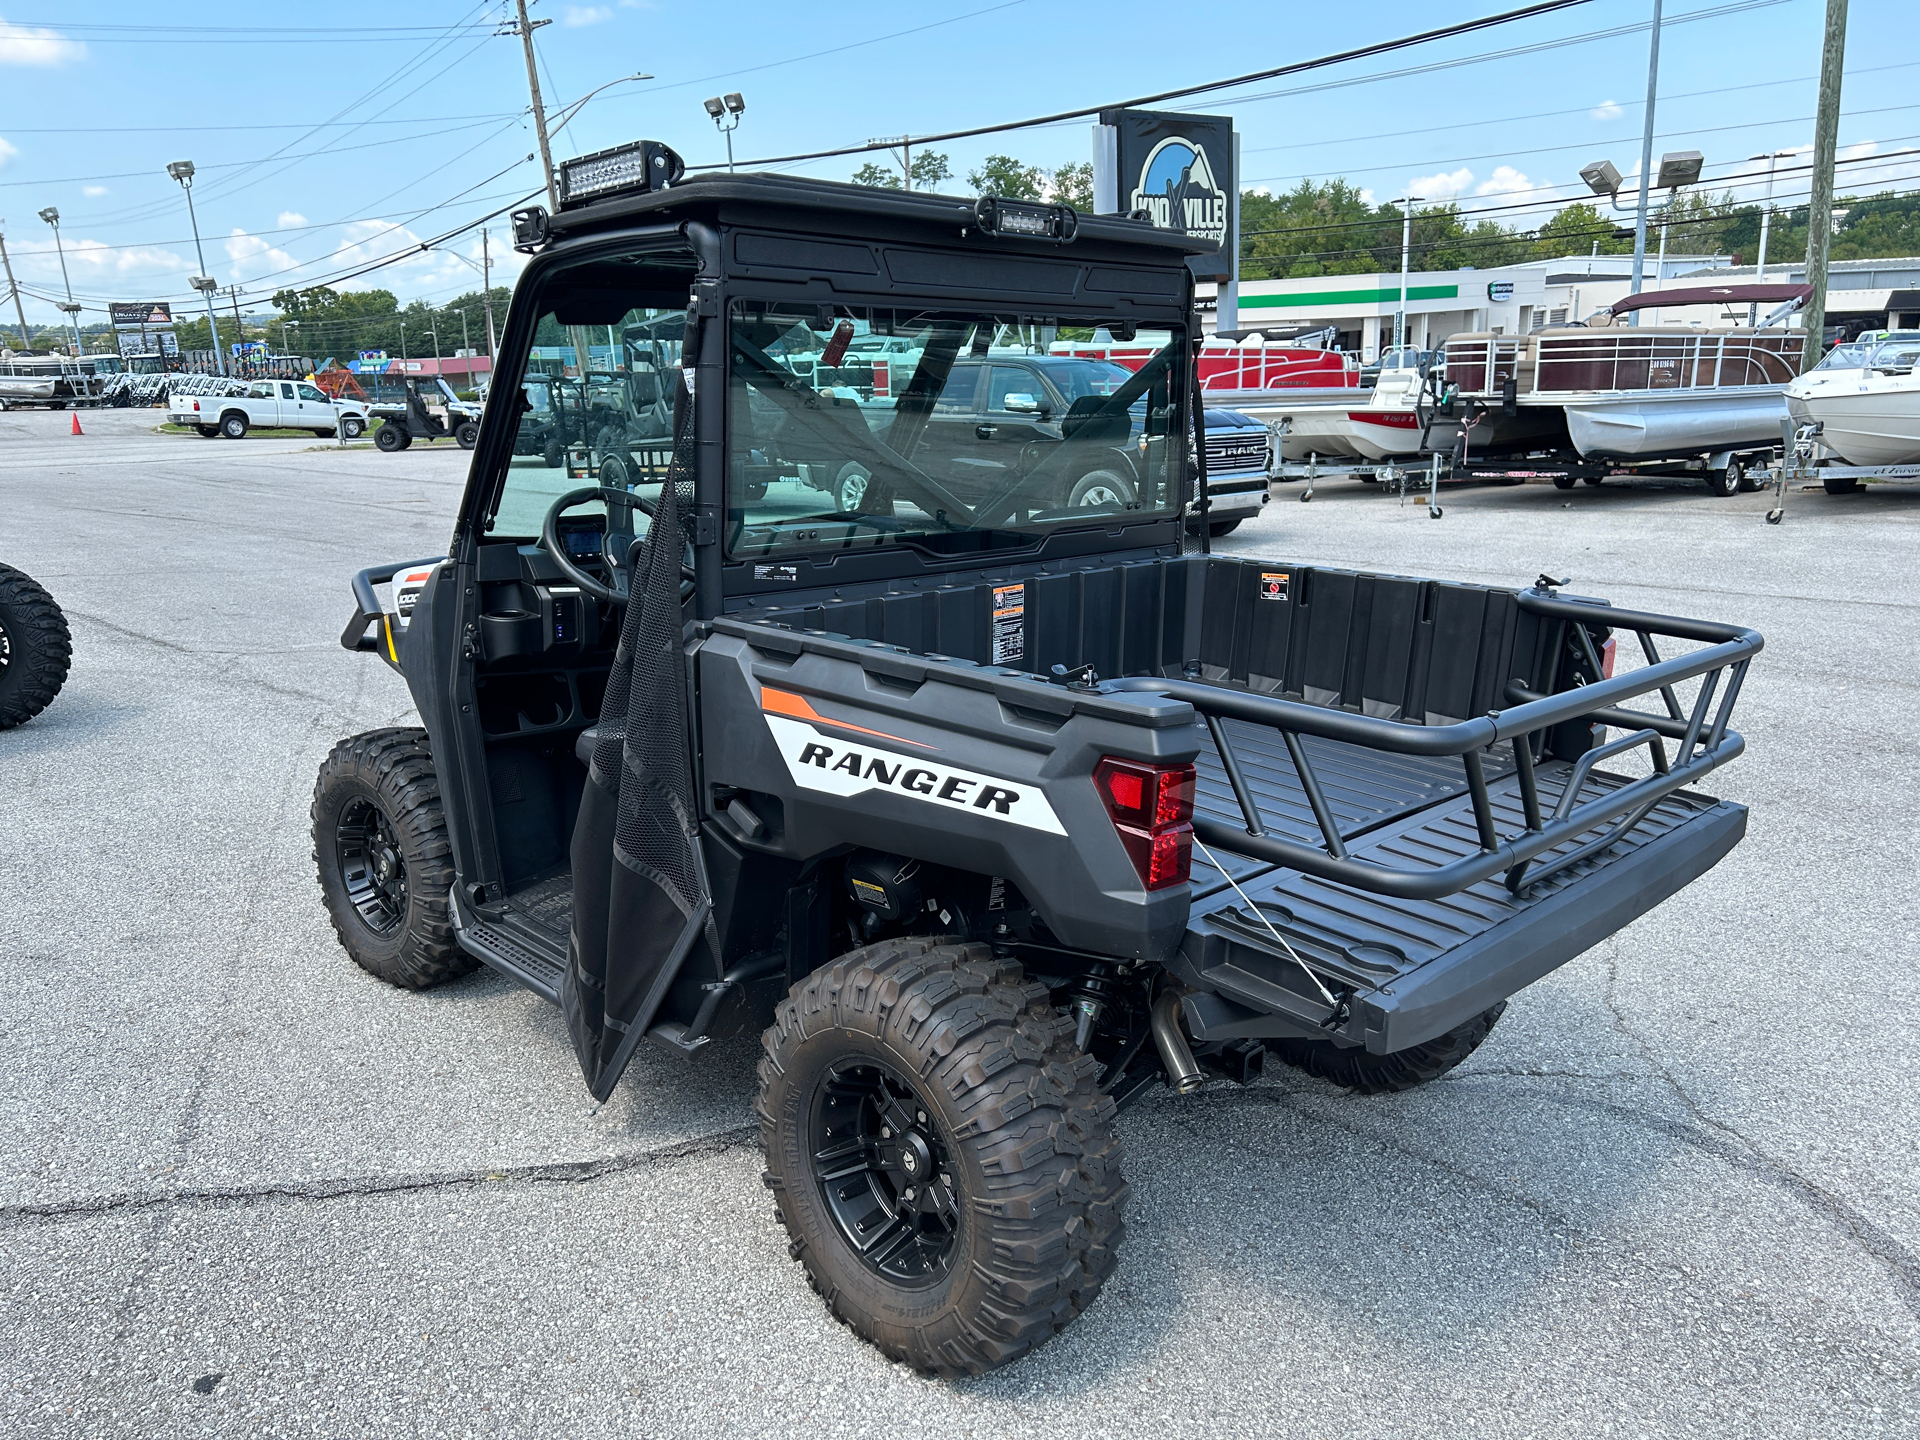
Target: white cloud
{"x": 95, "y": 258}
{"x": 1437, "y": 189}
{"x": 576, "y": 16}
{"x": 1510, "y": 184}
{"x": 1607, "y": 110}
{"x": 290, "y": 219}
{"x": 36, "y": 45}
{"x": 7, "y": 151}
{"x": 1366, "y": 196}
{"x": 93, "y": 191}
{"x": 253, "y": 258}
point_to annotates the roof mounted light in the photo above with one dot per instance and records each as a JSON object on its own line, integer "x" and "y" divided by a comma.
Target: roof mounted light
{"x": 1026, "y": 219}
{"x": 529, "y": 228}
{"x": 642, "y": 166}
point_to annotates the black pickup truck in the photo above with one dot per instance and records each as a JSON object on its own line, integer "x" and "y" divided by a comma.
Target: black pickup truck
{"x": 993, "y": 798}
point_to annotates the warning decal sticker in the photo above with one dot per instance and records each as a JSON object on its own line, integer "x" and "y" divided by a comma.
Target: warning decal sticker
{"x": 1009, "y": 633}
{"x": 1273, "y": 584}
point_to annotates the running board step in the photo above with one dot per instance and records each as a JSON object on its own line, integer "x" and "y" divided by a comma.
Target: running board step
{"x": 495, "y": 948}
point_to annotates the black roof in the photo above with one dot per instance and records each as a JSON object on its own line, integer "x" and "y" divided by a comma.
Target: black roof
{"x": 737, "y": 198}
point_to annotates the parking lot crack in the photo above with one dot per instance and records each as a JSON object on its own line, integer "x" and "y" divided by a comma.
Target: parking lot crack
{"x": 564, "y": 1172}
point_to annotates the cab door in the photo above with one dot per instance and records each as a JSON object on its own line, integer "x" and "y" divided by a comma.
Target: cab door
{"x": 293, "y": 411}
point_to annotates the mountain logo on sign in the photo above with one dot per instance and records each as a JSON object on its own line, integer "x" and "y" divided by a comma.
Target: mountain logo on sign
{"x": 1178, "y": 191}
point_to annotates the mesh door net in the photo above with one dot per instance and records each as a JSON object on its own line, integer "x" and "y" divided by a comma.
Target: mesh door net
{"x": 640, "y": 899}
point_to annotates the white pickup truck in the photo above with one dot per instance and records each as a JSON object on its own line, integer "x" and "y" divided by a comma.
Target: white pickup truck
{"x": 268, "y": 404}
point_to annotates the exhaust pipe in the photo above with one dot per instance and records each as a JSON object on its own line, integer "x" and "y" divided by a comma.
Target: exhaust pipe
{"x": 1183, "y": 1072}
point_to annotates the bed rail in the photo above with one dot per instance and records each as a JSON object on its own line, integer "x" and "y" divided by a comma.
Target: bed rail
{"x": 1705, "y": 742}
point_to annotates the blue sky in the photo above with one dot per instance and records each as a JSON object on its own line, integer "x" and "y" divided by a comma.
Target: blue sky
{"x": 421, "y": 121}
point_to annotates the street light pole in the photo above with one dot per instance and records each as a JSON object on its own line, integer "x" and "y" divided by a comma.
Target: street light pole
{"x": 52, "y": 217}
{"x": 1406, "y": 248}
{"x": 486, "y": 289}
{"x": 182, "y": 170}
{"x": 1646, "y": 162}
{"x": 1766, "y": 217}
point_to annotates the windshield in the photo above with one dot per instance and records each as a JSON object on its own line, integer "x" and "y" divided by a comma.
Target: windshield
{"x": 947, "y": 431}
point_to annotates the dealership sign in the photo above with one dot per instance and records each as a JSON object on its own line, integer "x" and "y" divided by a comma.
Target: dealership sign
{"x": 140, "y": 316}
{"x": 1176, "y": 171}
{"x": 1499, "y": 291}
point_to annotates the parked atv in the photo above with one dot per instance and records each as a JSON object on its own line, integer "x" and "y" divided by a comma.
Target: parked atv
{"x": 427, "y": 415}
{"x": 35, "y": 648}
{"x": 989, "y": 796}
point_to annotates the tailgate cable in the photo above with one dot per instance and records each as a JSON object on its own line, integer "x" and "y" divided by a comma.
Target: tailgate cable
{"x": 1339, "y": 1006}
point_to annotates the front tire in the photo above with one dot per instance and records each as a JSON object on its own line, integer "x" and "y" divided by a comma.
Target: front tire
{"x": 390, "y": 439}
{"x": 468, "y": 434}
{"x": 36, "y": 649}
{"x": 1725, "y": 483}
{"x": 1107, "y": 489}
{"x": 1369, "y": 1074}
{"x": 942, "y": 1158}
{"x": 385, "y": 864}
{"x": 354, "y": 426}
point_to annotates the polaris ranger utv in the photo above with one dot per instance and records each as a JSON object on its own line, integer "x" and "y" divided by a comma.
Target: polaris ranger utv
{"x": 995, "y": 798}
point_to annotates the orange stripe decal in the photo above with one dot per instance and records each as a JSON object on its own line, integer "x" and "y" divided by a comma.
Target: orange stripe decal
{"x": 798, "y": 707}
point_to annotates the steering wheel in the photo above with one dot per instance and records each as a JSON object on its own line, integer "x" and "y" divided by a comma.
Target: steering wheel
{"x": 616, "y": 546}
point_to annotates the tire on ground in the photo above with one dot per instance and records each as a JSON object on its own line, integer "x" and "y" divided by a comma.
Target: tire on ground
{"x": 1840, "y": 484}
{"x": 390, "y": 438}
{"x": 389, "y": 772}
{"x": 1370, "y": 1074}
{"x": 1102, "y": 486}
{"x": 233, "y": 425}
{"x": 36, "y": 650}
{"x": 1027, "y": 1134}
{"x": 354, "y": 426}
{"x": 468, "y": 434}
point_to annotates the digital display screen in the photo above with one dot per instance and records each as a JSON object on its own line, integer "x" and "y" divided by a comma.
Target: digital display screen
{"x": 582, "y": 543}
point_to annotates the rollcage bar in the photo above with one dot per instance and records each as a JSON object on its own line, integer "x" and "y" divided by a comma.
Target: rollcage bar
{"x": 1705, "y": 744}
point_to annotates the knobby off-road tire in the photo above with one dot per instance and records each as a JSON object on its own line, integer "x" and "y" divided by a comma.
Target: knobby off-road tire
{"x": 390, "y": 439}
{"x": 1372, "y": 1074}
{"x": 35, "y": 649}
{"x": 385, "y": 865}
{"x": 1019, "y": 1133}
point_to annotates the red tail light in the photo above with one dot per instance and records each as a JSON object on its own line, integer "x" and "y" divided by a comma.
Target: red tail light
{"x": 1151, "y": 807}
{"x": 1606, "y": 658}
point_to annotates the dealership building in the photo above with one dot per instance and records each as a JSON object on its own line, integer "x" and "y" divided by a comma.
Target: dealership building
{"x": 1509, "y": 299}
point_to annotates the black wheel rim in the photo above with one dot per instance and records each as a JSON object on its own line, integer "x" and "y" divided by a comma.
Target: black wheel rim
{"x": 884, "y": 1170}
{"x": 372, "y": 866}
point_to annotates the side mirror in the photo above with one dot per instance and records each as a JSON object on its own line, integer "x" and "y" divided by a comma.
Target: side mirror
{"x": 1022, "y": 405}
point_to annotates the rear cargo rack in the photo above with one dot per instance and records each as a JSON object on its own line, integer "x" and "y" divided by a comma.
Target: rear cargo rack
{"x": 1705, "y": 744}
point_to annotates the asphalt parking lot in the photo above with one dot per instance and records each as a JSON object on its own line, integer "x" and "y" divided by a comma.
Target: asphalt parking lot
{"x": 245, "y": 1189}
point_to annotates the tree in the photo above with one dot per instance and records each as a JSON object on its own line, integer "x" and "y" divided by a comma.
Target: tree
{"x": 1575, "y": 231}
{"x": 1072, "y": 184}
{"x": 1008, "y": 178}
{"x": 930, "y": 167}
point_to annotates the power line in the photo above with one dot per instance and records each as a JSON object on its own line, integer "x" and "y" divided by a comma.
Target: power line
{"x": 1465, "y": 27}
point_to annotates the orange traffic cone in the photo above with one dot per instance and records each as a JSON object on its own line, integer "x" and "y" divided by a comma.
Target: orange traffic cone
{"x": 76, "y": 424}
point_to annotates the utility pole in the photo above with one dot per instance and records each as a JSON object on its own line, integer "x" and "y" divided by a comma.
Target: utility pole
{"x": 1826, "y": 134}
{"x": 1406, "y": 247}
{"x": 486, "y": 288}
{"x": 524, "y": 28}
{"x": 26, "y": 335}
{"x": 1646, "y": 163}
{"x": 239, "y": 331}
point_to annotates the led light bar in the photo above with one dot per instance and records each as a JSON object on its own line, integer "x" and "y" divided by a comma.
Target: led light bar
{"x": 639, "y": 167}
{"x": 1025, "y": 219}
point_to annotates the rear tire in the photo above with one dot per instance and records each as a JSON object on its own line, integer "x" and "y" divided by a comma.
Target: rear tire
{"x": 1725, "y": 483}
{"x": 1840, "y": 484}
{"x": 36, "y": 650}
{"x": 385, "y": 864}
{"x": 234, "y": 426}
{"x": 1563, "y": 482}
{"x": 210, "y": 432}
{"x": 1016, "y": 1217}
{"x": 1106, "y": 488}
{"x": 1369, "y": 1074}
